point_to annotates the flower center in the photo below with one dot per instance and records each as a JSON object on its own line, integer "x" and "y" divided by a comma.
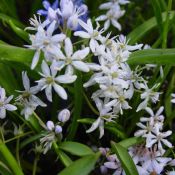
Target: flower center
{"x": 1, "y": 104}
{"x": 49, "y": 80}
{"x": 95, "y": 33}
{"x": 114, "y": 75}
{"x": 68, "y": 61}
{"x": 26, "y": 94}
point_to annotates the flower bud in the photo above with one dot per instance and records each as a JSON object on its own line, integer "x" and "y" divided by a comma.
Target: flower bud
{"x": 58, "y": 129}
{"x": 50, "y": 125}
{"x": 64, "y": 115}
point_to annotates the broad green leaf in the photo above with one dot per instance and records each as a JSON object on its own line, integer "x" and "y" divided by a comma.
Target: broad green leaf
{"x": 6, "y": 19}
{"x": 4, "y": 169}
{"x": 116, "y": 130}
{"x": 65, "y": 159}
{"x": 81, "y": 166}
{"x": 147, "y": 26}
{"x": 11, "y": 162}
{"x": 7, "y": 79}
{"x": 153, "y": 56}
{"x": 20, "y": 32}
{"x": 125, "y": 159}
{"x": 75, "y": 148}
{"x": 8, "y": 7}
{"x": 130, "y": 142}
{"x": 15, "y": 54}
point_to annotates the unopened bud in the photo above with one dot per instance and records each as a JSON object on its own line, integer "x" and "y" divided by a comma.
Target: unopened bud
{"x": 58, "y": 129}
{"x": 50, "y": 125}
{"x": 64, "y": 115}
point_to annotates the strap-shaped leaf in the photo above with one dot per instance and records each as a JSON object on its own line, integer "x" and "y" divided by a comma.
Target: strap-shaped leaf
{"x": 75, "y": 148}
{"x": 131, "y": 141}
{"x": 81, "y": 166}
{"x": 141, "y": 30}
{"x": 11, "y": 161}
{"x": 125, "y": 159}
{"x": 153, "y": 56}
{"x": 15, "y": 54}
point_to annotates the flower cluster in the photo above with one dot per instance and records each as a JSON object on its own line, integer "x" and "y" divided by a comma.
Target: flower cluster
{"x": 66, "y": 13}
{"x": 54, "y": 131}
{"x": 114, "y": 12}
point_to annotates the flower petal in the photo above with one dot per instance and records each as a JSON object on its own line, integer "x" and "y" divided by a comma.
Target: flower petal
{"x": 80, "y": 66}
{"x": 60, "y": 91}
{"x": 66, "y": 79}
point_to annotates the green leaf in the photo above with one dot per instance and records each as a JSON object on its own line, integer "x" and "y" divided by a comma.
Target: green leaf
{"x": 15, "y": 54}
{"x": 65, "y": 159}
{"x": 8, "y": 7}
{"x": 30, "y": 140}
{"x": 4, "y": 169}
{"x": 158, "y": 13}
{"x": 147, "y": 26}
{"x": 8, "y": 156}
{"x": 6, "y": 19}
{"x": 20, "y": 32}
{"x": 5, "y": 82}
{"x": 131, "y": 141}
{"x": 116, "y": 130}
{"x": 81, "y": 166}
{"x": 153, "y": 56}
{"x": 125, "y": 159}
{"x": 75, "y": 148}
{"x": 78, "y": 94}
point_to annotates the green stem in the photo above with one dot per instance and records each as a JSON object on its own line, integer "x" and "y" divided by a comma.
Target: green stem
{"x": 165, "y": 31}
{"x": 90, "y": 105}
{"x": 35, "y": 164}
{"x": 11, "y": 162}
{"x": 17, "y": 151}
{"x": 18, "y": 136}
{"x": 78, "y": 94}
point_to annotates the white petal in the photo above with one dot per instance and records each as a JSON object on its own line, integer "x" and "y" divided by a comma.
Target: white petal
{"x": 60, "y": 91}
{"x": 142, "y": 105}
{"x": 94, "y": 66}
{"x": 69, "y": 70}
{"x": 45, "y": 68}
{"x": 10, "y": 107}
{"x": 106, "y": 5}
{"x": 66, "y": 79}
{"x": 167, "y": 143}
{"x": 68, "y": 47}
{"x": 80, "y": 66}
{"x": 36, "y": 100}
{"x": 94, "y": 126}
{"x": 160, "y": 111}
{"x": 111, "y": 165}
{"x": 116, "y": 24}
{"x": 58, "y": 37}
{"x": 106, "y": 25}
{"x": 26, "y": 82}
{"x": 2, "y": 94}
{"x": 92, "y": 45}
{"x": 35, "y": 59}
{"x": 150, "y": 111}
{"x": 80, "y": 54}
{"x": 48, "y": 92}
{"x": 2, "y": 113}
{"x": 51, "y": 28}
{"x": 58, "y": 53}
{"x": 82, "y": 34}
{"x": 101, "y": 18}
